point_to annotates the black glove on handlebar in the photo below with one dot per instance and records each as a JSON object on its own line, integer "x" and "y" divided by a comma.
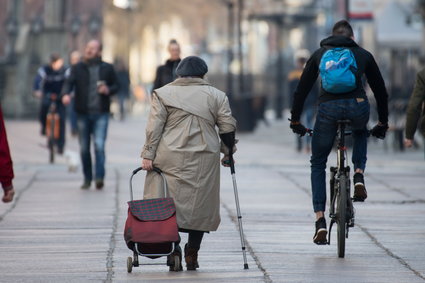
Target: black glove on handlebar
{"x": 228, "y": 139}
{"x": 379, "y": 131}
{"x": 298, "y": 129}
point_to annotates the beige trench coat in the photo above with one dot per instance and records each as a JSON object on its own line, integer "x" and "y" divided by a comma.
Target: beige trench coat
{"x": 182, "y": 140}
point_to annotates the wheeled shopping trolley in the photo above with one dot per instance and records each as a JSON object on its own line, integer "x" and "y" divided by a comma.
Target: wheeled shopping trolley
{"x": 151, "y": 227}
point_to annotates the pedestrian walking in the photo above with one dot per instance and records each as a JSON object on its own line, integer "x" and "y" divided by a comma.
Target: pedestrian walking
{"x": 124, "y": 82}
{"x": 74, "y": 58}
{"x": 47, "y": 87}
{"x": 416, "y": 110}
{"x": 167, "y": 73}
{"x": 309, "y": 110}
{"x": 181, "y": 140}
{"x": 6, "y": 166}
{"x": 94, "y": 82}
{"x": 342, "y": 64}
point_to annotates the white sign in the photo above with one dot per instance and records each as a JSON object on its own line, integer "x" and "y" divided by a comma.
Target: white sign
{"x": 360, "y": 9}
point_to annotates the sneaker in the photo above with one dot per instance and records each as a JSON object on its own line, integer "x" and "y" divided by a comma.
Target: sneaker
{"x": 360, "y": 193}
{"x": 99, "y": 184}
{"x": 85, "y": 185}
{"x": 321, "y": 232}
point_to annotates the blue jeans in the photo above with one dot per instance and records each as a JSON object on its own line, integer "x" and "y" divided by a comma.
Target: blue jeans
{"x": 96, "y": 126}
{"x": 72, "y": 117}
{"x": 325, "y": 130}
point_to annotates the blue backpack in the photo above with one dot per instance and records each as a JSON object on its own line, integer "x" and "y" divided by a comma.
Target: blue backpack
{"x": 338, "y": 69}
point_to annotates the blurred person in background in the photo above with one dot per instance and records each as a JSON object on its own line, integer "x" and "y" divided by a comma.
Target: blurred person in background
{"x": 309, "y": 110}
{"x": 167, "y": 73}
{"x": 123, "y": 93}
{"x": 48, "y": 83}
{"x": 416, "y": 110}
{"x": 93, "y": 82}
{"x": 182, "y": 140}
{"x": 74, "y": 58}
{"x": 6, "y": 165}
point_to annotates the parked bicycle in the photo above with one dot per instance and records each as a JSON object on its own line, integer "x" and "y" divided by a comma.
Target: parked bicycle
{"x": 52, "y": 127}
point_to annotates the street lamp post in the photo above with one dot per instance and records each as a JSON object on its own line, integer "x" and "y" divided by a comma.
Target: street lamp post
{"x": 230, "y": 36}
{"x": 12, "y": 31}
{"x": 240, "y": 49}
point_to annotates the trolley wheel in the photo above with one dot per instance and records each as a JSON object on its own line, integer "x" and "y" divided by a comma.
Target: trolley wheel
{"x": 177, "y": 264}
{"x": 129, "y": 264}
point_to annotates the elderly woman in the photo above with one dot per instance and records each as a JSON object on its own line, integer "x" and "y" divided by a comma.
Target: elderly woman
{"x": 182, "y": 140}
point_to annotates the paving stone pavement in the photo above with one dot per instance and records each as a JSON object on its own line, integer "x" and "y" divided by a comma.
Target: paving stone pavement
{"x": 55, "y": 232}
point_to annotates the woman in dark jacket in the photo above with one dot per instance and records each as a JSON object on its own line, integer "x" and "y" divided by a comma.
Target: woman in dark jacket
{"x": 166, "y": 73}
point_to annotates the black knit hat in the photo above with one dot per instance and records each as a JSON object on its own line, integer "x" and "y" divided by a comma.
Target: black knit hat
{"x": 192, "y": 66}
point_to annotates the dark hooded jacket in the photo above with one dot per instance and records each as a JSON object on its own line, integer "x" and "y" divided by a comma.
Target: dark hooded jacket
{"x": 366, "y": 65}
{"x": 165, "y": 74}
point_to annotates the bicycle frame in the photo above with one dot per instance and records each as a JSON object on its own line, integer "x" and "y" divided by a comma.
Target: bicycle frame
{"x": 52, "y": 127}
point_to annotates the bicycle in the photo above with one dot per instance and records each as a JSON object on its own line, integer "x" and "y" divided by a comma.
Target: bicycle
{"x": 341, "y": 209}
{"x": 52, "y": 127}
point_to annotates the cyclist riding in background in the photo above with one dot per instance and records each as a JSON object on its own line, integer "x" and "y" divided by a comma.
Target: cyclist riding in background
{"x": 342, "y": 65}
{"x": 49, "y": 80}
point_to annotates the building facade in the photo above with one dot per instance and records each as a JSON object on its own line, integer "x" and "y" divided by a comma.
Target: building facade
{"x": 33, "y": 29}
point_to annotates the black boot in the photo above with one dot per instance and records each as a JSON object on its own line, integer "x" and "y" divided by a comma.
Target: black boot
{"x": 191, "y": 258}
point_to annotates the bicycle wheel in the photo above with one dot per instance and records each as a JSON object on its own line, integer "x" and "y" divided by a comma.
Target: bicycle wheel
{"x": 51, "y": 143}
{"x": 341, "y": 215}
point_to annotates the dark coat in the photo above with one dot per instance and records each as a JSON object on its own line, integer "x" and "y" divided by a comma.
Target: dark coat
{"x": 79, "y": 80}
{"x": 416, "y": 108}
{"x": 124, "y": 82}
{"x": 366, "y": 65}
{"x": 165, "y": 74}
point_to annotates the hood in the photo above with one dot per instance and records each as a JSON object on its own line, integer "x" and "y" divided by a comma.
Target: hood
{"x": 338, "y": 41}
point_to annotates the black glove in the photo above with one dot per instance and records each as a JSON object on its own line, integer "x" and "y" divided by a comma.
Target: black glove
{"x": 298, "y": 129}
{"x": 379, "y": 130}
{"x": 228, "y": 139}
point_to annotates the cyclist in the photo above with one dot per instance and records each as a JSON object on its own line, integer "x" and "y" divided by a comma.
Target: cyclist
{"x": 49, "y": 80}
{"x": 342, "y": 96}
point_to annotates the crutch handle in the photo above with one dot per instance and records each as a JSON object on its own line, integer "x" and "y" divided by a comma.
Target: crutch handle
{"x": 231, "y": 162}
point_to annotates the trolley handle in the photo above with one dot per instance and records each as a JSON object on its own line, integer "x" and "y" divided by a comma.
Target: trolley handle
{"x": 157, "y": 170}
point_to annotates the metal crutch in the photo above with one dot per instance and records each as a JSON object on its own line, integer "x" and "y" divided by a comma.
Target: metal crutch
{"x": 238, "y": 210}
